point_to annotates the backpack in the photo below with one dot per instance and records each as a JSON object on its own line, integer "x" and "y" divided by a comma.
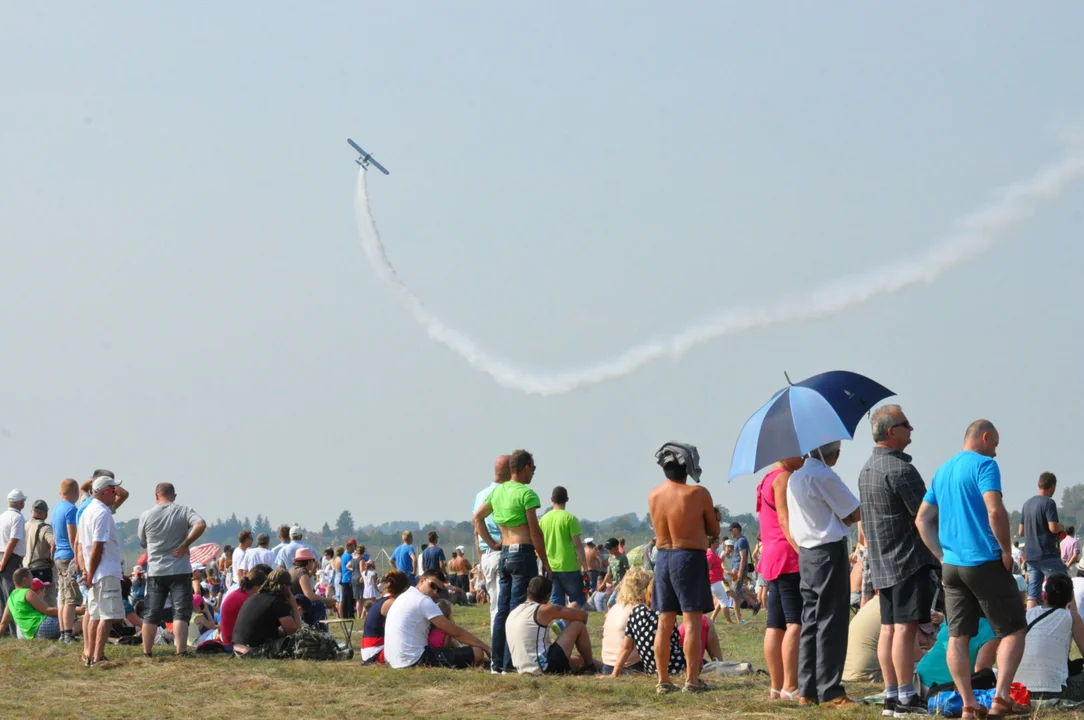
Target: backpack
{"x": 309, "y": 644}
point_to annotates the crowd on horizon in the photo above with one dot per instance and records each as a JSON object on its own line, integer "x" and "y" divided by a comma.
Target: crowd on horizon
{"x": 941, "y": 593}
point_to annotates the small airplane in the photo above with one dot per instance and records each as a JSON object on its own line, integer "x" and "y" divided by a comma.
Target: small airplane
{"x": 366, "y": 158}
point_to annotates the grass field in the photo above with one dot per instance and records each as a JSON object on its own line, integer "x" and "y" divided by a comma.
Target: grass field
{"x": 45, "y": 680}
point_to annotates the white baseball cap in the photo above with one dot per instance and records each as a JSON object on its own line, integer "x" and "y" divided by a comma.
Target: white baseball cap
{"x": 295, "y": 531}
{"x": 16, "y": 495}
{"x": 102, "y": 482}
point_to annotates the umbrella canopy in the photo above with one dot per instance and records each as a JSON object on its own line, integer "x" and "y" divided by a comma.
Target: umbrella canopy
{"x": 203, "y": 554}
{"x": 803, "y": 416}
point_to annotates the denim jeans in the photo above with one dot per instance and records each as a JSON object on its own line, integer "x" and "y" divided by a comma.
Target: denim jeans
{"x": 1038, "y": 571}
{"x": 570, "y": 585}
{"x": 516, "y": 570}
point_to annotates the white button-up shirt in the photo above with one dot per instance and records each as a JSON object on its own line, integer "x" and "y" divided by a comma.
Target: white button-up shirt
{"x": 817, "y": 500}
{"x": 12, "y": 525}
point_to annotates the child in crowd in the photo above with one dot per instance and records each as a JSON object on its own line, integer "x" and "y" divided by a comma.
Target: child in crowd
{"x": 439, "y": 639}
{"x": 368, "y": 581}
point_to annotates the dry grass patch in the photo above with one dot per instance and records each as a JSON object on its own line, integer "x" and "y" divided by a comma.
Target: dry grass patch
{"x": 45, "y": 680}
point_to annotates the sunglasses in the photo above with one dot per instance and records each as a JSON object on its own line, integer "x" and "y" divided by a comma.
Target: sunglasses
{"x": 905, "y": 424}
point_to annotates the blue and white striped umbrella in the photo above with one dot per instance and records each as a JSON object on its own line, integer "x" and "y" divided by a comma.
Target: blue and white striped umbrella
{"x": 803, "y": 416}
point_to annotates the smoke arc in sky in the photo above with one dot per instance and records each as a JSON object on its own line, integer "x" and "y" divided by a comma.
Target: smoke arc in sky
{"x": 972, "y": 235}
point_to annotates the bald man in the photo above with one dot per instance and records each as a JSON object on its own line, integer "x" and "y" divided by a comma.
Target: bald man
{"x": 490, "y": 560}
{"x": 963, "y": 521}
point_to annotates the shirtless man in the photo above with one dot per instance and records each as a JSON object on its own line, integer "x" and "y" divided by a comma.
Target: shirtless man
{"x": 685, "y": 520}
{"x": 594, "y": 564}
{"x": 464, "y": 570}
{"x": 514, "y": 506}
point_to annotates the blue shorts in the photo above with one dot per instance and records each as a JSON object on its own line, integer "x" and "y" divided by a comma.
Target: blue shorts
{"x": 681, "y": 582}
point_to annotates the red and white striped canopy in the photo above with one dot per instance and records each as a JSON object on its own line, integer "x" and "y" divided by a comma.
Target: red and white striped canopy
{"x": 203, "y": 554}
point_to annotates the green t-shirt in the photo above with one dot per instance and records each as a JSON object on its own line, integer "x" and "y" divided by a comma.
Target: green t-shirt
{"x": 558, "y": 529}
{"x": 26, "y": 617}
{"x": 933, "y": 669}
{"x": 619, "y": 565}
{"x": 510, "y": 502}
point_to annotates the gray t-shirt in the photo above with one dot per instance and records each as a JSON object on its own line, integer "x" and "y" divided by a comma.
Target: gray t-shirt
{"x": 162, "y": 529}
{"x": 1036, "y": 515}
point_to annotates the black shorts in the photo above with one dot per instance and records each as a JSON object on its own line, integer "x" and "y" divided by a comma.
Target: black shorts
{"x": 459, "y": 658}
{"x": 784, "y": 601}
{"x": 348, "y": 600}
{"x": 987, "y": 590}
{"x": 556, "y": 661}
{"x": 43, "y": 574}
{"x": 681, "y": 582}
{"x": 908, "y": 601}
{"x": 178, "y": 588}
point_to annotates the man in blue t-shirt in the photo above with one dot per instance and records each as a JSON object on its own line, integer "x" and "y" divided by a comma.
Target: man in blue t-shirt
{"x": 1040, "y": 527}
{"x": 964, "y": 523}
{"x": 64, "y": 531}
{"x": 741, "y": 552}
{"x": 433, "y": 556}
{"x": 404, "y": 559}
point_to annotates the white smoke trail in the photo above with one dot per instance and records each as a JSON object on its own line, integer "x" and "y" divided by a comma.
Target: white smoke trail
{"x": 973, "y": 235}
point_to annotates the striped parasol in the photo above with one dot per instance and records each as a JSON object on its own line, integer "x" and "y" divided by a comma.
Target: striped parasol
{"x": 203, "y": 554}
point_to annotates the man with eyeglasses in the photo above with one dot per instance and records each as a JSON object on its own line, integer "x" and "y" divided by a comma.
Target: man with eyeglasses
{"x": 891, "y": 492}
{"x": 406, "y": 630}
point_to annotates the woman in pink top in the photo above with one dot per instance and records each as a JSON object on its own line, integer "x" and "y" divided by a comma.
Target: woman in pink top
{"x": 779, "y": 567}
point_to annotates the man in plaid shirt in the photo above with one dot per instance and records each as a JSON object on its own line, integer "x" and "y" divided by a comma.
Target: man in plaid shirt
{"x": 891, "y": 492}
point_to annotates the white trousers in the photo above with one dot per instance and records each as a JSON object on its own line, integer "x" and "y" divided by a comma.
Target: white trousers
{"x": 491, "y": 563}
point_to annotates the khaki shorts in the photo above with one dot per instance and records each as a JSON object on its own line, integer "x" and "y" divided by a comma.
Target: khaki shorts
{"x": 68, "y": 592}
{"x": 104, "y": 601}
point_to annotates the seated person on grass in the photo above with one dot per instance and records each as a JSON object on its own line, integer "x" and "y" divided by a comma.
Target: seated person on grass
{"x": 28, "y": 611}
{"x": 527, "y": 631}
{"x": 268, "y": 615}
{"x": 407, "y": 627}
{"x": 640, "y": 632}
{"x": 933, "y": 669}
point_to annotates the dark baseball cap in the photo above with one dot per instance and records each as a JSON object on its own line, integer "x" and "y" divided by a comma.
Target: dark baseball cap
{"x": 612, "y": 543}
{"x": 41, "y": 506}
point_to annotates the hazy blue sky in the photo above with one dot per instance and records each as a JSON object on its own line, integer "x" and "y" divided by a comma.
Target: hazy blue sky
{"x": 183, "y": 295}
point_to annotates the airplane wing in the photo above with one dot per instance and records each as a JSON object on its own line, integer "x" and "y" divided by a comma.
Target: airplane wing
{"x": 355, "y": 146}
{"x": 378, "y": 166}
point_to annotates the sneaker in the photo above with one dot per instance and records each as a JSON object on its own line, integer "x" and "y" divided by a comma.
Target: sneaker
{"x": 889, "y": 707}
{"x": 914, "y": 707}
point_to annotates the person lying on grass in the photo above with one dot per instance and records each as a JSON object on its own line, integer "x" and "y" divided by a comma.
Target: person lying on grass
{"x": 527, "y": 631}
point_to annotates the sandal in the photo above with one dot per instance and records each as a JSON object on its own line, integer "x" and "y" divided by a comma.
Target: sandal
{"x": 977, "y": 713}
{"x": 1005, "y": 708}
{"x": 697, "y": 687}
{"x": 665, "y": 688}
